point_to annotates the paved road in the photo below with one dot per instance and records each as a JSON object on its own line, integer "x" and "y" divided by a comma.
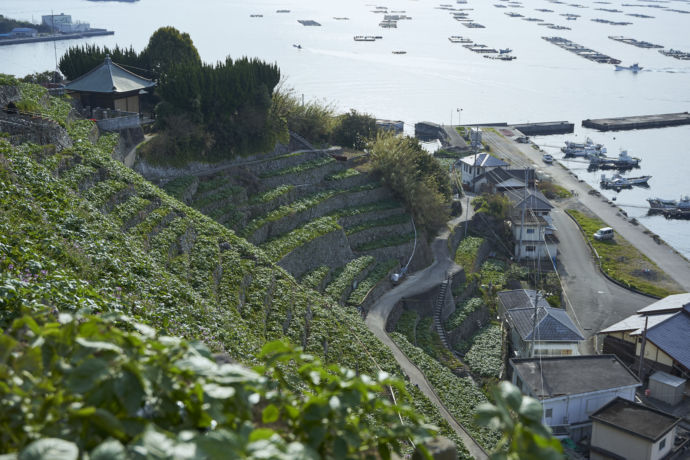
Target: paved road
{"x": 454, "y": 138}
{"x": 592, "y": 300}
{"x": 378, "y": 315}
{"x": 667, "y": 258}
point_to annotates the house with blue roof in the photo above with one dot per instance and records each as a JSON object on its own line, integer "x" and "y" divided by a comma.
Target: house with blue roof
{"x": 535, "y": 328}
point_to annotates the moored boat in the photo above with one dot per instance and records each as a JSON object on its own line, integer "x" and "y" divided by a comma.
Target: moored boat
{"x": 618, "y": 182}
{"x": 624, "y": 161}
{"x": 633, "y": 68}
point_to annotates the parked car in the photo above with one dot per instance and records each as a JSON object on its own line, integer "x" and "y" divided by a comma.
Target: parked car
{"x": 547, "y": 158}
{"x": 602, "y": 234}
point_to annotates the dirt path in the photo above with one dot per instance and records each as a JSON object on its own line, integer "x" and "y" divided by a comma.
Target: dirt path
{"x": 378, "y": 315}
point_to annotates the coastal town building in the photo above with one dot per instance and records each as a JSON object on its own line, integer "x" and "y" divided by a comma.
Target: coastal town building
{"x": 571, "y": 388}
{"x": 63, "y": 23}
{"x": 623, "y": 429}
{"x": 110, "y": 86}
{"x": 20, "y": 32}
{"x": 663, "y": 327}
{"x": 475, "y": 165}
{"x": 532, "y": 227}
{"x": 551, "y": 333}
{"x": 395, "y": 126}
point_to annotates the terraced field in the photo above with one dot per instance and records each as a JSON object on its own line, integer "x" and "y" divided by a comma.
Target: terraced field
{"x": 312, "y": 215}
{"x": 79, "y": 230}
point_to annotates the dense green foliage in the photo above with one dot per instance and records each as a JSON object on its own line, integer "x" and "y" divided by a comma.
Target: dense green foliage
{"x": 466, "y": 254}
{"x": 415, "y": 176}
{"x": 377, "y": 275}
{"x": 7, "y": 24}
{"x": 79, "y": 60}
{"x": 495, "y": 204}
{"x": 462, "y": 311}
{"x": 312, "y": 120}
{"x": 354, "y": 130}
{"x": 108, "y": 384}
{"x": 623, "y": 262}
{"x": 458, "y": 394}
{"x": 346, "y": 277}
{"x": 485, "y": 357}
{"x": 518, "y": 418}
{"x": 79, "y": 230}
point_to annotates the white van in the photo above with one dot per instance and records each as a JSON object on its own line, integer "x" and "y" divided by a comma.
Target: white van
{"x": 605, "y": 233}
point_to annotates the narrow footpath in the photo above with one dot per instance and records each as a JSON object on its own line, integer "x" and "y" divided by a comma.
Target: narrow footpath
{"x": 414, "y": 284}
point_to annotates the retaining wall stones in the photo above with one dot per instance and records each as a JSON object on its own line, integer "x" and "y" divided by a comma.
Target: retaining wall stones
{"x": 308, "y": 176}
{"x": 40, "y": 131}
{"x": 353, "y": 221}
{"x": 472, "y": 324}
{"x": 375, "y": 233}
{"x": 331, "y": 249}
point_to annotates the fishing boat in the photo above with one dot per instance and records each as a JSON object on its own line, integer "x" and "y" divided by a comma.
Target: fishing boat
{"x": 633, "y": 68}
{"x": 587, "y": 149}
{"x": 364, "y": 38}
{"x": 298, "y": 46}
{"x": 505, "y": 51}
{"x": 624, "y": 161}
{"x": 618, "y": 182}
{"x": 459, "y": 39}
{"x": 662, "y": 204}
{"x": 399, "y": 52}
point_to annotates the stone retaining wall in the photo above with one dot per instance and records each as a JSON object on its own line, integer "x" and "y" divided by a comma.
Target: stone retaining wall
{"x": 353, "y": 221}
{"x": 472, "y": 324}
{"x": 331, "y": 249}
{"x": 309, "y": 176}
{"x": 375, "y": 233}
{"x": 35, "y": 130}
{"x": 341, "y": 200}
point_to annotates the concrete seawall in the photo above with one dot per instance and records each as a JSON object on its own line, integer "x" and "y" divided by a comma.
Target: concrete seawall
{"x": 638, "y": 122}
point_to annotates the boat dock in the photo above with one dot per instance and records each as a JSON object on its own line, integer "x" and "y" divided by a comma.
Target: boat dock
{"x": 545, "y": 128}
{"x": 638, "y": 122}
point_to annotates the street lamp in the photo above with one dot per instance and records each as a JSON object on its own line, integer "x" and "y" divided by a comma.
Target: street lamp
{"x": 459, "y": 110}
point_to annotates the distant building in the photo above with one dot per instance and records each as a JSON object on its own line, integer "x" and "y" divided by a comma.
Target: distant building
{"x": 395, "y": 126}
{"x": 427, "y": 131}
{"x": 667, "y": 344}
{"x": 623, "y": 429}
{"x": 63, "y": 23}
{"x": 21, "y": 32}
{"x": 571, "y": 388}
{"x": 110, "y": 86}
{"x": 553, "y": 332}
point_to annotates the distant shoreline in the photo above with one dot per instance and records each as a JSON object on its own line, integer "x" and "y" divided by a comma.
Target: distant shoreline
{"x": 55, "y": 37}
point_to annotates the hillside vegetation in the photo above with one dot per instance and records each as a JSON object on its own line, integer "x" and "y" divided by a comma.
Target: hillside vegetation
{"x": 81, "y": 234}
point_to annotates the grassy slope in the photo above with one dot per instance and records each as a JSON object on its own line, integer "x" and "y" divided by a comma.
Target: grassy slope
{"x": 68, "y": 246}
{"x": 623, "y": 262}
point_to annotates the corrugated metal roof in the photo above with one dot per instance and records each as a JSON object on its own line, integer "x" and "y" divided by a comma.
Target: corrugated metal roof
{"x": 109, "y": 78}
{"x": 635, "y": 323}
{"x": 673, "y": 303}
{"x": 673, "y": 337}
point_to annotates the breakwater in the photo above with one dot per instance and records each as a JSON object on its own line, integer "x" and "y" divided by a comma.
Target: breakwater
{"x": 638, "y": 122}
{"x": 55, "y": 37}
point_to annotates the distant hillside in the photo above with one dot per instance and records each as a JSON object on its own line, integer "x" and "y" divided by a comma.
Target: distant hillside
{"x": 80, "y": 230}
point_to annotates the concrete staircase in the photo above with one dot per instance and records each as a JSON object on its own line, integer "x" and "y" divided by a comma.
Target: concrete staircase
{"x": 438, "y": 309}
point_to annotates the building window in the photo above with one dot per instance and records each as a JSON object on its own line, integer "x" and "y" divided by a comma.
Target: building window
{"x": 566, "y": 352}
{"x": 530, "y": 248}
{"x": 530, "y": 230}
{"x": 662, "y": 444}
{"x": 548, "y": 413}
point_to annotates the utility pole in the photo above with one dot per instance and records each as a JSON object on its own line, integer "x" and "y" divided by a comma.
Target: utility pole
{"x": 644, "y": 342}
{"x": 522, "y": 218}
{"x": 534, "y": 321}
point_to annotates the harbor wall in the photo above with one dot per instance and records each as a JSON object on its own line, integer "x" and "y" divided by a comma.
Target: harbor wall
{"x": 638, "y": 122}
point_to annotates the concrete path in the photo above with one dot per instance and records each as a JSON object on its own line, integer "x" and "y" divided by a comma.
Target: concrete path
{"x": 454, "y": 138}
{"x": 414, "y": 284}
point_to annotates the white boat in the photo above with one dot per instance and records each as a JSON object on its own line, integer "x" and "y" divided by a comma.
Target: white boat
{"x": 586, "y": 149}
{"x": 618, "y": 182}
{"x": 459, "y": 39}
{"x": 365, "y": 38}
{"x": 633, "y": 68}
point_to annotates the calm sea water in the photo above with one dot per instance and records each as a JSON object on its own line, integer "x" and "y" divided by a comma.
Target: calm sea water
{"x": 436, "y": 78}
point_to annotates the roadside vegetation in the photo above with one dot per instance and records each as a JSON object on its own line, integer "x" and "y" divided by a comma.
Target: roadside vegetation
{"x": 415, "y": 177}
{"x": 552, "y": 190}
{"x": 623, "y": 262}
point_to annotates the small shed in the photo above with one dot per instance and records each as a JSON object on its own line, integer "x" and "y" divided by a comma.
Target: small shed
{"x": 666, "y": 387}
{"x": 110, "y": 86}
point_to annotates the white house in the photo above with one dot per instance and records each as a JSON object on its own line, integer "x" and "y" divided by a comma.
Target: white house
{"x": 551, "y": 333}
{"x": 623, "y": 429}
{"x": 534, "y": 238}
{"x": 476, "y": 165}
{"x": 571, "y": 388}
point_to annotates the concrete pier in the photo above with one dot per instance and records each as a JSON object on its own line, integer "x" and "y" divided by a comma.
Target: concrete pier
{"x": 638, "y": 122}
{"x": 545, "y": 128}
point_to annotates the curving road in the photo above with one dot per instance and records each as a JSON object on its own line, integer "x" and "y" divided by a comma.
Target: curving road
{"x": 377, "y": 317}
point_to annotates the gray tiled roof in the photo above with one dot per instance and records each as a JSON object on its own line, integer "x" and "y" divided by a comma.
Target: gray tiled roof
{"x": 484, "y": 160}
{"x": 520, "y": 298}
{"x": 553, "y": 325}
{"x": 109, "y": 78}
{"x": 673, "y": 336}
{"x": 552, "y": 377}
{"x": 535, "y": 200}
